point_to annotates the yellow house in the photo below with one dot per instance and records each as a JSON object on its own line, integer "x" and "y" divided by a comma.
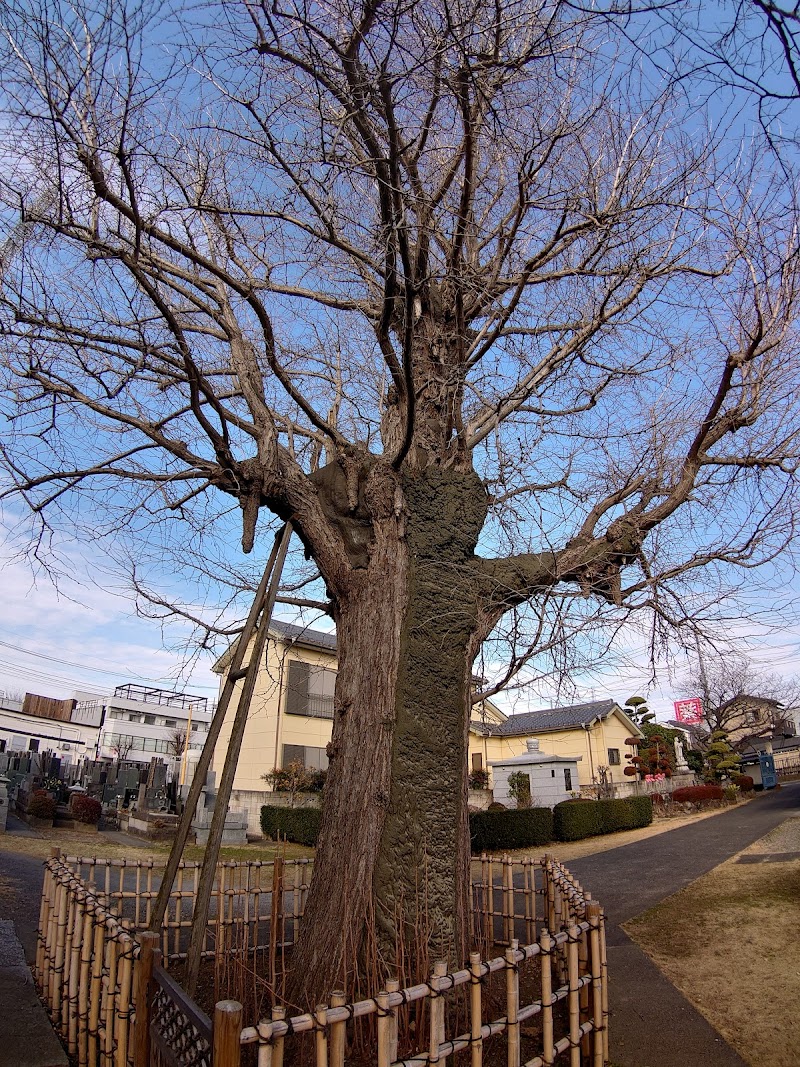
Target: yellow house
{"x": 593, "y": 733}
{"x": 290, "y": 715}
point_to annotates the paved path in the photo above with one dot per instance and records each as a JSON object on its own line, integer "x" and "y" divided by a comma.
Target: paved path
{"x": 652, "y": 1024}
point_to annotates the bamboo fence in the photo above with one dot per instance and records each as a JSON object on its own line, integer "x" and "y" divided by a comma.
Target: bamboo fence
{"x": 115, "y": 1005}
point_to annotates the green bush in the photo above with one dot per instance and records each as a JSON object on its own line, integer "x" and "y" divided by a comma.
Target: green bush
{"x": 576, "y": 819}
{"x": 300, "y": 825}
{"x": 493, "y": 831}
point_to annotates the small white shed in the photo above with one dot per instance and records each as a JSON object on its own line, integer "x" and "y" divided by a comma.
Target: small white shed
{"x": 552, "y": 778}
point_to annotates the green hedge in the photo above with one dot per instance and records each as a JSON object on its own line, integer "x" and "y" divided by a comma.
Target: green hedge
{"x": 300, "y": 825}
{"x": 576, "y": 819}
{"x": 491, "y": 831}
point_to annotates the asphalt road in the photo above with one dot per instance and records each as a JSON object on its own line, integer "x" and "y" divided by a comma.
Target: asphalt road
{"x": 652, "y": 1024}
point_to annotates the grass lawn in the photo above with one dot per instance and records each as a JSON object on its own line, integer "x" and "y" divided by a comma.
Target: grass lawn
{"x": 730, "y": 943}
{"x": 82, "y": 843}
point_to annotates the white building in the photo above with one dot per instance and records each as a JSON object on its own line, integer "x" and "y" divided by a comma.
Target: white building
{"x": 22, "y": 731}
{"x": 551, "y": 778}
{"x": 140, "y": 722}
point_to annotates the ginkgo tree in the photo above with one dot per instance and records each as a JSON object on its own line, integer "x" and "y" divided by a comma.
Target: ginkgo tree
{"x": 501, "y": 328}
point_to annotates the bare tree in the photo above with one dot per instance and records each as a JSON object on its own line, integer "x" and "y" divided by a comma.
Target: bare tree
{"x": 745, "y": 702}
{"x": 419, "y": 279}
{"x": 177, "y": 741}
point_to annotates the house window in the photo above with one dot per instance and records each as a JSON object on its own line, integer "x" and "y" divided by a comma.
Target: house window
{"x": 150, "y": 720}
{"x": 171, "y": 723}
{"x": 568, "y": 779}
{"x": 477, "y": 761}
{"x": 310, "y": 690}
{"x": 613, "y": 757}
{"x": 313, "y": 759}
{"x": 33, "y": 744}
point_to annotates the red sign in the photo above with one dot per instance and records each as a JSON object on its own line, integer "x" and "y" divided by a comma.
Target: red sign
{"x": 689, "y": 711}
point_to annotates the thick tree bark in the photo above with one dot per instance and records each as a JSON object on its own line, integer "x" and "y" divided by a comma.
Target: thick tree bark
{"x": 391, "y": 878}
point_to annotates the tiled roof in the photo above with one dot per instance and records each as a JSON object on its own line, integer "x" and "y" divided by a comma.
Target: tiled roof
{"x": 535, "y": 722}
{"x": 303, "y": 635}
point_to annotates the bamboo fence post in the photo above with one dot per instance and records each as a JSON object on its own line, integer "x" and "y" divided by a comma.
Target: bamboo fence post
{"x": 227, "y": 1028}
{"x": 276, "y": 907}
{"x": 87, "y": 944}
{"x": 437, "y": 1011}
{"x": 508, "y": 900}
{"x": 485, "y": 891}
{"x": 604, "y": 982}
{"x": 546, "y": 944}
{"x": 110, "y": 997}
{"x": 529, "y": 883}
{"x": 573, "y": 996}
{"x": 123, "y": 1013}
{"x": 96, "y": 987}
{"x": 321, "y": 1035}
{"x": 72, "y": 999}
{"x": 44, "y": 916}
{"x": 585, "y": 995}
{"x": 295, "y": 904}
{"x": 475, "y": 1019}
{"x": 338, "y": 1039}
{"x": 66, "y": 957}
{"x": 278, "y": 1015}
{"x": 384, "y": 1036}
{"x": 393, "y": 986}
{"x": 512, "y": 1004}
{"x": 46, "y": 944}
{"x": 593, "y": 916}
{"x": 143, "y": 978}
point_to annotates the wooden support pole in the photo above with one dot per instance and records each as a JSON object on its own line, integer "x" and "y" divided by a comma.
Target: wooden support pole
{"x": 124, "y": 1004}
{"x": 148, "y": 957}
{"x": 96, "y": 987}
{"x": 84, "y": 982}
{"x": 204, "y": 763}
{"x": 223, "y": 797}
{"x": 384, "y": 1036}
{"x": 321, "y": 1035}
{"x": 226, "y": 1030}
{"x": 508, "y": 900}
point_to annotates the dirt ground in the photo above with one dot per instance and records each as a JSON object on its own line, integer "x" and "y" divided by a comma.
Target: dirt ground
{"x": 730, "y": 943}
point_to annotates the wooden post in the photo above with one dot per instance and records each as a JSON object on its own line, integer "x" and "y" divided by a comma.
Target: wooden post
{"x": 512, "y": 1004}
{"x": 593, "y": 915}
{"x": 548, "y": 1052}
{"x": 529, "y": 891}
{"x": 227, "y": 1028}
{"x": 338, "y": 1039}
{"x": 475, "y": 1018}
{"x": 225, "y": 786}
{"x": 148, "y": 957}
{"x": 204, "y": 763}
{"x": 44, "y": 917}
{"x": 573, "y": 997}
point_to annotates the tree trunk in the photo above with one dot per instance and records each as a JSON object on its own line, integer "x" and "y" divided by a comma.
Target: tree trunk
{"x": 391, "y": 877}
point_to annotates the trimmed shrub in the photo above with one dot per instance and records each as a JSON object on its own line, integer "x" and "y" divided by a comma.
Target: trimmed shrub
{"x": 86, "y": 809}
{"x": 300, "y": 825}
{"x": 41, "y": 805}
{"x": 697, "y": 794}
{"x": 576, "y": 819}
{"x": 492, "y": 831}
{"x": 745, "y": 782}
{"x": 497, "y": 806}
